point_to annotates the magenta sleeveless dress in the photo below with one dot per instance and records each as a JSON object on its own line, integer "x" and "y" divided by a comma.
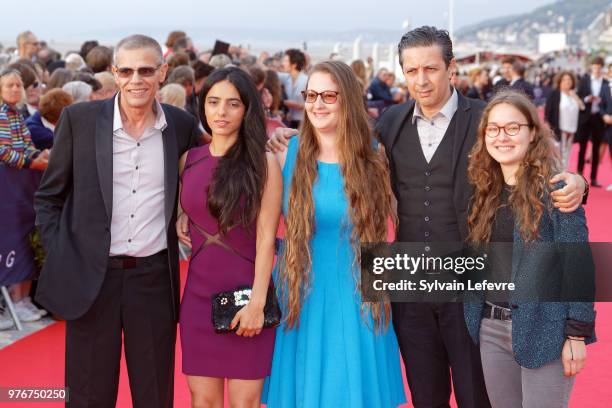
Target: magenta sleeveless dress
{"x": 218, "y": 263}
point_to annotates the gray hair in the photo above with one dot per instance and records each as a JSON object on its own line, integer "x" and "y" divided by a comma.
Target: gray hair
{"x": 173, "y": 94}
{"x": 181, "y": 75}
{"x": 7, "y": 72}
{"x": 4, "y": 59}
{"x": 106, "y": 79}
{"x": 219, "y": 61}
{"x": 23, "y": 37}
{"x": 74, "y": 62}
{"x": 139, "y": 41}
{"x": 79, "y": 90}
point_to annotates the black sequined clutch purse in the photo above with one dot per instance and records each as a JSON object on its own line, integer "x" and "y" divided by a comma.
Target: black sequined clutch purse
{"x": 225, "y": 305}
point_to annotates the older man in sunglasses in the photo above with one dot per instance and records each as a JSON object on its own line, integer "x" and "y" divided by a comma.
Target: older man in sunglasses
{"x": 106, "y": 210}
{"x": 27, "y": 46}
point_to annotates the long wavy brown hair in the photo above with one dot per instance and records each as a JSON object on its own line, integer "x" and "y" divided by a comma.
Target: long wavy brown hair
{"x": 530, "y": 196}
{"x": 366, "y": 185}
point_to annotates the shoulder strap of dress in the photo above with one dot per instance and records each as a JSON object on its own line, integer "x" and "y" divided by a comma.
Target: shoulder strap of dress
{"x": 291, "y": 157}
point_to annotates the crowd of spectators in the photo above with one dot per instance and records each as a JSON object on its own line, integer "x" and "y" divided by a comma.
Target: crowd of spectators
{"x": 575, "y": 103}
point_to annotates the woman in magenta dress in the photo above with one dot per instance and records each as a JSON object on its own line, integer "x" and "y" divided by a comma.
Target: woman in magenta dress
{"x": 230, "y": 207}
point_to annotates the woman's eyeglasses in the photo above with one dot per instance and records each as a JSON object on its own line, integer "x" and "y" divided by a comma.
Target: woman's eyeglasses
{"x": 511, "y": 129}
{"x": 327, "y": 97}
{"x": 125, "y": 72}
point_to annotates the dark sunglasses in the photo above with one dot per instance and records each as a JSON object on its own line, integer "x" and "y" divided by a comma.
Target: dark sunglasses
{"x": 327, "y": 97}
{"x": 125, "y": 72}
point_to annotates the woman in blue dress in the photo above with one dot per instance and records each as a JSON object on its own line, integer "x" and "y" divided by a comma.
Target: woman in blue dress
{"x": 332, "y": 349}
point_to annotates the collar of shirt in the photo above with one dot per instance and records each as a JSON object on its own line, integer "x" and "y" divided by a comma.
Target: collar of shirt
{"x": 31, "y": 109}
{"x": 160, "y": 118}
{"x": 47, "y": 124}
{"x": 448, "y": 110}
{"x": 596, "y": 84}
{"x": 598, "y": 79}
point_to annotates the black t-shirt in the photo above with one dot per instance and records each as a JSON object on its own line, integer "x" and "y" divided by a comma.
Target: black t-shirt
{"x": 500, "y": 259}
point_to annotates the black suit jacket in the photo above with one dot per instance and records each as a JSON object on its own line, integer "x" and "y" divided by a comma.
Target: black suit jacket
{"x": 551, "y": 111}
{"x": 499, "y": 85}
{"x": 584, "y": 90}
{"x": 523, "y": 86}
{"x": 520, "y": 85}
{"x": 468, "y": 114}
{"x": 74, "y": 204}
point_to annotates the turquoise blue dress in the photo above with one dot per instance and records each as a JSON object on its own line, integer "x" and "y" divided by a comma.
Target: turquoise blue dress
{"x": 334, "y": 358}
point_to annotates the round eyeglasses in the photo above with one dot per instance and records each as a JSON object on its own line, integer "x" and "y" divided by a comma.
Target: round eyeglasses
{"x": 511, "y": 129}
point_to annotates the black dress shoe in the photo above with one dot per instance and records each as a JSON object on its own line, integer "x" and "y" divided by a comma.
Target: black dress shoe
{"x": 595, "y": 184}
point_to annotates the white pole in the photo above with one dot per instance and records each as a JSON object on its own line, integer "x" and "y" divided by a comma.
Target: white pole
{"x": 337, "y": 48}
{"x": 391, "y": 60}
{"x": 375, "y": 56}
{"x": 451, "y": 19}
{"x": 357, "y": 48}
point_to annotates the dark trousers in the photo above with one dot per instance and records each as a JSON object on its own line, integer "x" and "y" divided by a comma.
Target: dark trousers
{"x": 433, "y": 341}
{"x": 594, "y": 129}
{"x": 135, "y": 303}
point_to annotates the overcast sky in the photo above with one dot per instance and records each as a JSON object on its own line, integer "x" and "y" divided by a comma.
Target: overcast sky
{"x": 77, "y": 20}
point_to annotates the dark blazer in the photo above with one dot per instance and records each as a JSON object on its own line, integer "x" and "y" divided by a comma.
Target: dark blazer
{"x": 523, "y": 86}
{"x": 380, "y": 91}
{"x": 551, "y": 111}
{"x": 468, "y": 116}
{"x": 484, "y": 94}
{"x": 74, "y": 204}
{"x": 42, "y": 136}
{"x": 520, "y": 85}
{"x": 538, "y": 328}
{"x": 584, "y": 90}
{"x": 499, "y": 85}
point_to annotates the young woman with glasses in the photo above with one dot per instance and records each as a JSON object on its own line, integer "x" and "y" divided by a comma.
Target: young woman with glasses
{"x": 332, "y": 349}
{"x": 532, "y": 342}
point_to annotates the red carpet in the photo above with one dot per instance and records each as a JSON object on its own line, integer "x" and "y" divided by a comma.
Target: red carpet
{"x": 38, "y": 360}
